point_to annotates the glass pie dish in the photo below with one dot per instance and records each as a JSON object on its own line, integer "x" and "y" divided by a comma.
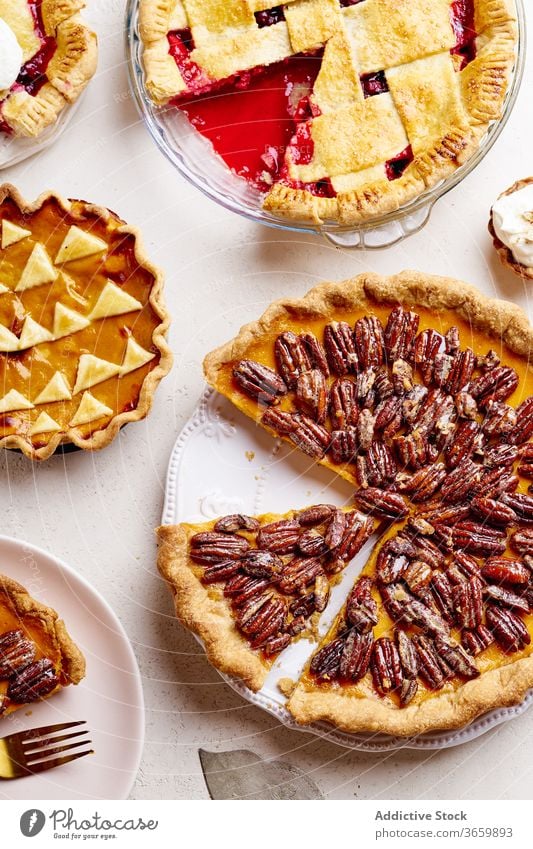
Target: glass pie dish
{"x": 196, "y": 160}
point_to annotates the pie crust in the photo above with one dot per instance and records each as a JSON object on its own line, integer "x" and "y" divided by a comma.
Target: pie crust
{"x": 403, "y": 96}
{"x": 70, "y": 48}
{"x": 42, "y": 626}
{"x": 82, "y": 325}
{"x": 503, "y": 677}
{"x": 505, "y": 254}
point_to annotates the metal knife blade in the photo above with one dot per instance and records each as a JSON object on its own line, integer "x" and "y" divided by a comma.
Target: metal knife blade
{"x": 242, "y": 775}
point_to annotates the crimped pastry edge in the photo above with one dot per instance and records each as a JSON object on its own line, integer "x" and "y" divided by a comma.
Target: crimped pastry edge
{"x": 103, "y": 437}
{"x": 59, "y": 16}
{"x": 207, "y": 617}
{"x": 72, "y": 661}
{"x": 505, "y": 254}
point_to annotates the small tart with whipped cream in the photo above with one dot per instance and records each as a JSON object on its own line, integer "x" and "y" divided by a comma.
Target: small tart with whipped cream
{"x": 82, "y": 325}
{"x": 511, "y": 227}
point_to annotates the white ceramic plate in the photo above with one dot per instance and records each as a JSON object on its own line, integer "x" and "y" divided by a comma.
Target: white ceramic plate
{"x": 110, "y": 698}
{"x": 223, "y": 463}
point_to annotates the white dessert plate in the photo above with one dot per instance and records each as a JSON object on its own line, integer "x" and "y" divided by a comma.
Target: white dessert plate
{"x": 110, "y": 698}
{"x": 223, "y": 463}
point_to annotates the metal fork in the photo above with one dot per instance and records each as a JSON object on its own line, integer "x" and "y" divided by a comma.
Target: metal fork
{"x": 33, "y": 751}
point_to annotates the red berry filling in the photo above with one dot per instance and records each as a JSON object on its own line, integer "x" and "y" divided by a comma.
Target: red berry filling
{"x": 269, "y": 17}
{"x": 374, "y": 83}
{"x": 463, "y": 23}
{"x": 395, "y": 167}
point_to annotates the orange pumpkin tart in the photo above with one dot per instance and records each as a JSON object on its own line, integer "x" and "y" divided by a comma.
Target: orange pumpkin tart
{"x": 82, "y": 325}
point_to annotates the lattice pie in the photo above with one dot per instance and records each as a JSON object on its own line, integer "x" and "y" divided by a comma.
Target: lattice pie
{"x": 52, "y": 56}
{"x": 349, "y": 108}
{"x": 82, "y": 325}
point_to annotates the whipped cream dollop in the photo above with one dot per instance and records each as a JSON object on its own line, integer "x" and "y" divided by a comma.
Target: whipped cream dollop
{"x": 512, "y": 219}
{"x": 10, "y": 56}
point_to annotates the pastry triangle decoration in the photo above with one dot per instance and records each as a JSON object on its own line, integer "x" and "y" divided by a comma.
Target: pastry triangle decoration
{"x": 14, "y": 401}
{"x": 114, "y": 301}
{"x": 90, "y": 410}
{"x": 135, "y": 357}
{"x": 44, "y": 424}
{"x": 12, "y": 233}
{"x": 3, "y": 289}
{"x": 38, "y": 270}
{"x": 57, "y": 389}
{"x": 8, "y": 341}
{"x": 79, "y": 244}
{"x": 93, "y": 370}
{"x": 33, "y": 334}
{"x": 67, "y": 321}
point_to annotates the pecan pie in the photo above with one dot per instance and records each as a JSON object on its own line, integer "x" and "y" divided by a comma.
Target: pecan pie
{"x": 37, "y": 656}
{"x": 82, "y": 325}
{"x": 418, "y": 390}
{"x": 350, "y": 108}
{"x": 49, "y": 55}
{"x": 249, "y": 586}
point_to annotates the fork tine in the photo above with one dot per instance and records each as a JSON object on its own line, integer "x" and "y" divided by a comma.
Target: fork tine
{"x": 32, "y": 733}
{"x": 43, "y": 743}
{"x": 42, "y": 766}
{"x": 46, "y": 753}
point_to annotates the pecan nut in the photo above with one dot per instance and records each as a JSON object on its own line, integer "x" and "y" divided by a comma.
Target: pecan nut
{"x": 312, "y": 395}
{"x": 524, "y": 427}
{"x": 312, "y": 543}
{"x": 369, "y": 341}
{"x": 468, "y": 603}
{"x": 335, "y": 529}
{"x": 291, "y": 357}
{"x": 236, "y": 522}
{"x": 344, "y": 445}
{"x": 386, "y": 505}
{"x": 521, "y": 503}
{"x": 280, "y": 537}
{"x": 261, "y": 564}
{"x": 522, "y": 541}
{"x": 377, "y": 468}
{"x": 433, "y": 671}
{"x": 339, "y": 343}
{"x": 343, "y": 407}
{"x": 428, "y": 344}
{"x": 424, "y": 483}
{"x": 33, "y": 682}
{"x": 312, "y": 438}
{"x": 361, "y": 608}
{"x": 495, "y": 385}
{"x": 463, "y": 363}
{"x": 477, "y": 641}
{"x": 217, "y": 573}
{"x": 242, "y": 588}
{"x": 461, "y": 482}
{"x": 498, "y": 456}
{"x": 211, "y": 547}
{"x": 325, "y": 664}
{"x": 355, "y": 656}
{"x": 500, "y": 419}
{"x": 281, "y": 422}
{"x": 357, "y": 531}
{"x": 443, "y": 596}
{"x": 502, "y": 570}
{"x": 276, "y": 644}
{"x": 316, "y": 515}
{"x": 16, "y": 652}
{"x": 400, "y": 334}
{"x": 508, "y": 629}
{"x": 298, "y": 573}
{"x": 386, "y": 667}
{"x": 315, "y": 352}
{"x": 463, "y": 443}
{"x": 506, "y": 598}
{"x": 493, "y": 511}
{"x": 456, "y": 658}
{"x": 259, "y": 382}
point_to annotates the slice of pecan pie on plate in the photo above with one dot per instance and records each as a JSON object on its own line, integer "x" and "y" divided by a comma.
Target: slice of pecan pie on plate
{"x": 48, "y": 57}
{"x": 350, "y": 108}
{"x": 37, "y": 655}
{"x": 419, "y": 391}
{"x": 82, "y": 325}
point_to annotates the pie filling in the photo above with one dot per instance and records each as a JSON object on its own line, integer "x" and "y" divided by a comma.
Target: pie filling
{"x": 260, "y": 120}
{"x": 435, "y": 432}
{"x": 29, "y": 666}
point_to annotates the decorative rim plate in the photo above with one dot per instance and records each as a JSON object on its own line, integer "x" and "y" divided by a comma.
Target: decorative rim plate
{"x": 110, "y": 698}
{"x": 220, "y": 448}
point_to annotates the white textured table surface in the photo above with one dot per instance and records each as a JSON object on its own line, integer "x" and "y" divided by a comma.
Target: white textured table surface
{"x": 98, "y": 512}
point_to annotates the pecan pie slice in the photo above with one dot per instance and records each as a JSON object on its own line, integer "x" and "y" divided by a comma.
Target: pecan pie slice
{"x": 48, "y": 57}
{"x": 350, "y": 108}
{"x": 419, "y": 391}
{"x": 37, "y": 656}
{"x": 82, "y": 325}
{"x": 249, "y": 586}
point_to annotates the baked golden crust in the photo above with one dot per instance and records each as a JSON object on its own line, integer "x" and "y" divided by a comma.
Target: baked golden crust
{"x": 500, "y": 687}
{"x": 77, "y": 212}
{"x": 205, "y": 612}
{"x": 437, "y": 105}
{"x": 37, "y": 618}
{"x": 505, "y": 254}
{"x": 70, "y": 69}
{"x": 499, "y": 320}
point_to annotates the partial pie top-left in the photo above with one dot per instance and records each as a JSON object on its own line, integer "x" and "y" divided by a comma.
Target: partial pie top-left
{"x": 82, "y": 325}
{"x": 47, "y": 57}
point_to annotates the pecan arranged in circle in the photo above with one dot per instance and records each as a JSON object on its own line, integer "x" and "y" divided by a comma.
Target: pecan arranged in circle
{"x": 260, "y": 382}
